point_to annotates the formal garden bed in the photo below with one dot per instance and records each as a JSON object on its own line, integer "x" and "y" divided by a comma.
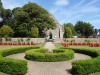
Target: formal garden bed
{"x": 14, "y": 66}
{"x": 35, "y": 53}
{"x": 85, "y": 67}
{"x": 43, "y": 55}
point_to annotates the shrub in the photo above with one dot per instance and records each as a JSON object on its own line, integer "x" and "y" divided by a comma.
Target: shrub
{"x": 43, "y": 56}
{"x": 34, "y": 32}
{"x": 85, "y": 67}
{"x": 6, "y": 30}
{"x": 13, "y": 66}
{"x": 68, "y": 33}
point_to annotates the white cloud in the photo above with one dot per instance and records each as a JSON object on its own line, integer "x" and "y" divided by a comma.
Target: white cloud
{"x": 61, "y": 2}
{"x": 91, "y": 9}
{"x": 80, "y": 11}
{"x": 80, "y": 3}
{"x": 92, "y": 2}
{"x": 13, "y": 3}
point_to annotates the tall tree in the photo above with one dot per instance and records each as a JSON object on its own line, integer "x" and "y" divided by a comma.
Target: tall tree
{"x": 71, "y": 26}
{"x": 34, "y": 16}
{"x": 84, "y": 29}
{"x": 1, "y": 7}
{"x": 68, "y": 33}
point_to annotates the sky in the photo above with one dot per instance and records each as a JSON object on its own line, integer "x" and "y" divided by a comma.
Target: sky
{"x": 65, "y": 11}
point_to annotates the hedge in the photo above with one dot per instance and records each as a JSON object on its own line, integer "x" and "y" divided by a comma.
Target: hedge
{"x": 85, "y": 67}
{"x": 13, "y": 66}
{"x": 97, "y": 73}
{"x": 43, "y": 56}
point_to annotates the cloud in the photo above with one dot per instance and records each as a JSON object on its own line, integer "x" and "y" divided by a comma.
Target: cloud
{"x": 13, "y": 3}
{"x": 91, "y": 9}
{"x": 80, "y": 3}
{"x": 61, "y": 2}
{"x": 92, "y": 2}
{"x": 83, "y": 10}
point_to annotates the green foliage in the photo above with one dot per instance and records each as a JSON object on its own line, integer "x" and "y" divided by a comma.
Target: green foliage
{"x": 1, "y": 7}
{"x": 84, "y": 29}
{"x": 21, "y": 15}
{"x": 6, "y": 14}
{"x": 43, "y": 55}
{"x": 6, "y": 31}
{"x": 68, "y": 33}
{"x": 34, "y": 32}
{"x": 97, "y": 73}
{"x": 31, "y": 15}
{"x": 13, "y": 66}
{"x": 7, "y": 38}
{"x": 85, "y": 67}
{"x": 71, "y": 26}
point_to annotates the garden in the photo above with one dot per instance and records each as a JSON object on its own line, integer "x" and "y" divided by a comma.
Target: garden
{"x": 25, "y": 49}
{"x": 40, "y": 54}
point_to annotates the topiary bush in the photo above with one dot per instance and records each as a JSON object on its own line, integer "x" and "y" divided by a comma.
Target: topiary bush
{"x": 43, "y": 55}
{"x": 85, "y": 67}
{"x": 13, "y": 66}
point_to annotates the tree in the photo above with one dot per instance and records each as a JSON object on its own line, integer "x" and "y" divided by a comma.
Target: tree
{"x": 71, "y": 26}
{"x": 34, "y": 32}
{"x": 32, "y": 15}
{"x": 21, "y": 15}
{"x": 6, "y": 31}
{"x": 84, "y": 29}
{"x": 68, "y": 33}
{"x": 1, "y": 7}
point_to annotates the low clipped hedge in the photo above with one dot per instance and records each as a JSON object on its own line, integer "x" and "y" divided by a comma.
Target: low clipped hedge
{"x": 43, "y": 56}
{"x": 85, "y": 67}
{"x": 97, "y": 73}
{"x": 13, "y": 66}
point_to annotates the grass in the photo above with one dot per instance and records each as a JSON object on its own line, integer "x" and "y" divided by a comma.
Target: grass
{"x": 58, "y": 46}
{"x": 10, "y": 47}
{"x": 41, "y": 45}
{"x": 3, "y": 73}
{"x": 85, "y": 47}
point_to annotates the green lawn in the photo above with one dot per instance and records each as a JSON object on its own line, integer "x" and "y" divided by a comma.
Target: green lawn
{"x": 3, "y": 73}
{"x": 9, "y": 47}
{"x": 86, "y": 47}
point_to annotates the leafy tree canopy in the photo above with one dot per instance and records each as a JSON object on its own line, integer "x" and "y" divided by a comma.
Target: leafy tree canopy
{"x": 84, "y": 29}
{"x": 71, "y": 26}
{"x": 6, "y": 31}
{"x": 34, "y": 16}
{"x": 68, "y": 33}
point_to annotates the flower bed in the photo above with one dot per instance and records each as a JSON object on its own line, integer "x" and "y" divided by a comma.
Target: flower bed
{"x": 43, "y": 55}
{"x": 81, "y": 44}
{"x": 31, "y": 43}
{"x": 13, "y": 66}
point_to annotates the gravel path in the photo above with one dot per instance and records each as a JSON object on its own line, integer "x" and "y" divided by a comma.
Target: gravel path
{"x": 49, "y": 68}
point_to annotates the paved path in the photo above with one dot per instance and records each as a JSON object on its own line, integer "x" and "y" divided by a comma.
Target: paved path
{"x": 50, "y": 46}
{"x": 49, "y": 68}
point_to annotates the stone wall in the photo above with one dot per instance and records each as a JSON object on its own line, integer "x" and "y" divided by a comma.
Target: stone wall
{"x": 78, "y": 40}
{"x": 34, "y": 40}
